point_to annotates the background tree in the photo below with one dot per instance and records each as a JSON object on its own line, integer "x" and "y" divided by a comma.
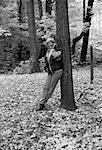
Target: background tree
{"x": 19, "y": 11}
{"x": 32, "y": 37}
{"x": 48, "y": 6}
{"x": 85, "y": 31}
{"x": 63, "y": 40}
{"x": 40, "y": 9}
{"x": 84, "y": 11}
{"x": 86, "y": 35}
{"x": 20, "y": 19}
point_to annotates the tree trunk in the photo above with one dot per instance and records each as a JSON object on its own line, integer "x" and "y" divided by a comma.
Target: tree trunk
{"x": 32, "y": 37}
{"x": 44, "y": 7}
{"x": 83, "y": 11}
{"x": 19, "y": 51}
{"x": 75, "y": 40}
{"x": 48, "y": 6}
{"x": 40, "y": 9}
{"x": 19, "y": 11}
{"x": 86, "y": 35}
{"x": 84, "y": 47}
{"x": 86, "y": 19}
{"x": 63, "y": 41}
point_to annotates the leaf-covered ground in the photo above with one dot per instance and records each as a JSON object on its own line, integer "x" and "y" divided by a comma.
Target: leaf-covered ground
{"x": 22, "y": 128}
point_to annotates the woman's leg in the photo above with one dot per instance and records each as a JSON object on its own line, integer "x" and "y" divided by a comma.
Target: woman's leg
{"x": 54, "y": 80}
{"x": 49, "y": 87}
{"x": 45, "y": 89}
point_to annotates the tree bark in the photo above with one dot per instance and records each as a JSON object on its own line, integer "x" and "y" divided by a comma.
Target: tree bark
{"x": 49, "y": 6}
{"x": 83, "y": 11}
{"x": 44, "y": 7}
{"x": 84, "y": 47}
{"x": 75, "y": 40}
{"x": 32, "y": 37}
{"x": 19, "y": 11}
{"x": 86, "y": 35}
{"x": 40, "y": 9}
{"x": 63, "y": 41}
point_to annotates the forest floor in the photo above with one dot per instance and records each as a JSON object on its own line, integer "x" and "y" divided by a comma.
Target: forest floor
{"x": 23, "y": 128}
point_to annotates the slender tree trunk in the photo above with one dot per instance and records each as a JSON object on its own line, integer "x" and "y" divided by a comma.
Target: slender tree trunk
{"x": 40, "y": 9}
{"x": 44, "y": 7}
{"x": 83, "y": 11}
{"x": 19, "y": 51}
{"x": 75, "y": 40}
{"x": 86, "y": 35}
{"x": 63, "y": 41}
{"x": 32, "y": 37}
{"x": 84, "y": 47}
{"x": 86, "y": 19}
{"x": 19, "y": 11}
{"x": 19, "y": 4}
{"x": 49, "y": 6}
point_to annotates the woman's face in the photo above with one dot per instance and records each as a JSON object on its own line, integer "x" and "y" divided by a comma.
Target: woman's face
{"x": 50, "y": 44}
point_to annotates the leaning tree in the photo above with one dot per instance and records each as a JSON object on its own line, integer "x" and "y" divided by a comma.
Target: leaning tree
{"x": 63, "y": 41}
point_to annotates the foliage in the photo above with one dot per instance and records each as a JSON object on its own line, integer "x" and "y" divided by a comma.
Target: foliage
{"x": 21, "y": 127}
{"x": 9, "y": 15}
{"x": 46, "y": 27}
{"x": 42, "y": 64}
{"x": 22, "y": 68}
{"x": 20, "y": 35}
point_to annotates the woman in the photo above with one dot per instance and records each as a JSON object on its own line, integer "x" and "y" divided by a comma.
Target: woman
{"x": 54, "y": 67}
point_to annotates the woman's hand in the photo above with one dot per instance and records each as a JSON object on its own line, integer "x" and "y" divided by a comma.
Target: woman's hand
{"x": 56, "y": 54}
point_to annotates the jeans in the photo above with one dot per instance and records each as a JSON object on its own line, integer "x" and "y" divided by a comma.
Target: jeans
{"x": 50, "y": 84}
